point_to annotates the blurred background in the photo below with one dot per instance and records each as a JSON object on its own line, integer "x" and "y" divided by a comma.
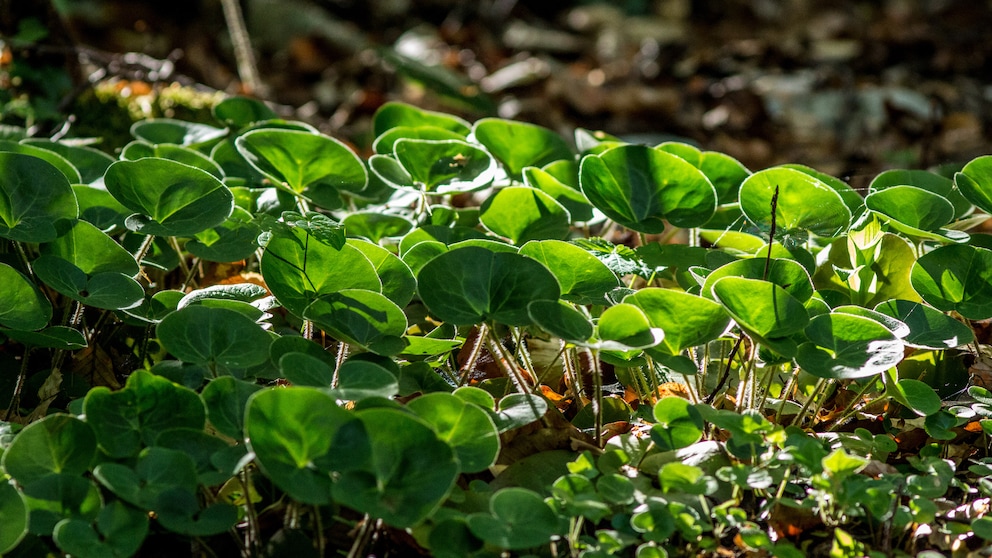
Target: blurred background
{"x": 849, "y": 87}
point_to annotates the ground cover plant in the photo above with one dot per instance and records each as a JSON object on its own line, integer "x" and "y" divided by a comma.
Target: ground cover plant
{"x": 484, "y": 339}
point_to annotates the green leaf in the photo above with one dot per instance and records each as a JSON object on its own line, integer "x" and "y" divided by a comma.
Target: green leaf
{"x": 521, "y": 214}
{"x": 91, "y": 163}
{"x": 361, "y": 317}
{"x": 56, "y": 160}
{"x": 314, "y": 166}
{"x": 915, "y": 208}
{"x": 441, "y": 166}
{"x": 34, "y": 198}
{"x": 764, "y": 309}
{"x": 56, "y": 444}
{"x": 640, "y": 188}
{"x": 97, "y": 206}
{"x": 110, "y": 290}
{"x": 928, "y": 328}
{"x": 565, "y": 191}
{"x": 930, "y": 181}
{"x": 134, "y": 416}
{"x": 518, "y": 144}
{"x": 91, "y": 250}
{"x": 395, "y": 114}
{"x": 298, "y": 268}
{"x": 915, "y": 395}
{"x": 678, "y": 425}
{"x": 360, "y": 379}
{"x": 519, "y": 409}
{"x": 185, "y": 155}
{"x": 956, "y": 277}
{"x": 52, "y": 337}
{"x": 687, "y": 320}
{"x": 469, "y": 430}
{"x": 583, "y": 278}
{"x": 156, "y": 472}
{"x": 290, "y": 428}
{"x": 518, "y": 518}
{"x": 975, "y": 182}
{"x": 472, "y": 285}
{"x": 845, "y": 346}
{"x": 168, "y": 130}
{"x": 625, "y": 326}
{"x": 169, "y": 198}
{"x": 226, "y": 399}
{"x": 805, "y": 204}
{"x": 15, "y": 517}
{"x": 398, "y": 282}
{"x": 384, "y": 144}
{"x": 375, "y": 225}
{"x": 561, "y": 319}
{"x": 22, "y": 305}
{"x": 408, "y": 473}
{"x": 238, "y": 112}
{"x": 120, "y": 531}
{"x": 214, "y": 336}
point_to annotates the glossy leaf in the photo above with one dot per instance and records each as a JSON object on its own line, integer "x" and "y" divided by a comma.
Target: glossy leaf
{"x": 375, "y": 226}
{"x": 313, "y": 166}
{"x": 398, "y": 282}
{"x": 805, "y": 204}
{"x": 625, "y": 326}
{"x": 51, "y": 157}
{"x": 956, "y": 277}
{"x": 564, "y": 191}
{"x": 914, "y": 207}
{"x": 169, "y": 130}
{"x": 975, "y": 182}
{"x": 395, "y": 114}
{"x": 35, "y": 198}
{"x": 640, "y": 187}
{"x": 845, "y": 346}
{"x": 408, "y": 473}
{"x": 472, "y": 285}
{"x": 56, "y": 444}
{"x": 561, "y": 319}
{"x": 111, "y": 290}
{"x": 362, "y": 317}
{"x": 442, "y": 166}
{"x": 169, "y": 198}
{"x": 518, "y": 518}
{"x": 214, "y": 336}
{"x": 385, "y": 143}
{"x": 583, "y": 278}
{"x": 290, "y": 428}
{"x": 916, "y": 396}
{"x": 120, "y": 531}
{"x": 126, "y": 420}
{"x": 930, "y": 181}
{"x": 688, "y": 320}
{"x": 724, "y": 172}
{"x": 185, "y": 155}
{"x": 928, "y": 328}
{"x": 518, "y": 144}
{"x": 360, "y": 379}
{"x": 521, "y": 214}
{"x": 22, "y": 305}
{"x": 298, "y": 269}
{"x": 15, "y": 513}
{"x": 242, "y": 111}
{"x": 763, "y": 309}
{"x": 469, "y": 430}
{"x": 226, "y": 399}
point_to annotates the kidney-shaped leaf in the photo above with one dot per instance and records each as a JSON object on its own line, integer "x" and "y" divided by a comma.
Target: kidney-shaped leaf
{"x": 928, "y": 328}
{"x": 688, "y": 320}
{"x": 22, "y": 305}
{"x": 519, "y": 144}
{"x": 168, "y": 130}
{"x": 314, "y": 166}
{"x": 956, "y": 277}
{"x": 298, "y": 269}
{"x": 472, "y": 285}
{"x": 362, "y": 317}
{"x": 214, "y": 336}
{"x": 561, "y": 319}
{"x": 111, "y": 290}
{"x": 913, "y": 207}
{"x": 584, "y": 278}
{"x": 408, "y": 473}
{"x": 289, "y": 428}
{"x": 469, "y": 430}
{"x": 805, "y": 204}
{"x": 395, "y": 114}
{"x": 640, "y": 187}
{"x": 975, "y": 182}
{"x": 763, "y": 309}
{"x": 787, "y": 274}
{"x": 169, "y": 198}
{"x": 14, "y": 511}
{"x": 34, "y": 197}
{"x": 55, "y": 444}
{"x": 521, "y": 213}
{"x": 442, "y": 166}
{"x": 518, "y": 518}
{"x": 844, "y": 346}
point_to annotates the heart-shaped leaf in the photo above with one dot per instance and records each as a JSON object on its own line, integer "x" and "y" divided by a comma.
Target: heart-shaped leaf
{"x": 242, "y": 111}
{"x": 290, "y": 428}
{"x": 14, "y": 511}
{"x": 725, "y": 173}
{"x": 35, "y": 198}
{"x": 362, "y": 317}
{"x": 185, "y": 155}
{"x": 472, "y": 285}
{"x": 956, "y": 277}
{"x": 521, "y": 214}
{"x": 437, "y": 166}
{"x": 180, "y": 132}
{"x": 469, "y": 430}
{"x": 640, "y": 187}
{"x": 678, "y": 424}
{"x": 763, "y": 309}
{"x": 110, "y": 290}
{"x": 561, "y": 319}
{"x": 22, "y": 305}
{"x": 56, "y": 444}
{"x": 169, "y": 198}
{"x": 844, "y": 346}
{"x": 314, "y": 166}
{"x": 928, "y": 328}
{"x": 361, "y": 379}
{"x": 214, "y": 336}
{"x": 226, "y": 399}
{"x": 91, "y": 163}
{"x": 583, "y": 278}
{"x": 120, "y": 531}
{"x": 56, "y": 160}
{"x": 395, "y": 114}
{"x": 975, "y": 182}
{"x": 518, "y": 518}
{"x": 688, "y": 320}
{"x": 804, "y": 205}
{"x": 518, "y": 144}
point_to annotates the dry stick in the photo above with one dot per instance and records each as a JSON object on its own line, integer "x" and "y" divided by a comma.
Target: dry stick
{"x": 247, "y": 67}
{"x": 474, "y": 353}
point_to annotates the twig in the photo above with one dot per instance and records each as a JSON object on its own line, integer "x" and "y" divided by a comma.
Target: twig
{"x": 247, "y": 67}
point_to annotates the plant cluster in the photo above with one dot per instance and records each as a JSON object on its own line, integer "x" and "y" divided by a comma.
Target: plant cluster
{"x": 481, "y": 339}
